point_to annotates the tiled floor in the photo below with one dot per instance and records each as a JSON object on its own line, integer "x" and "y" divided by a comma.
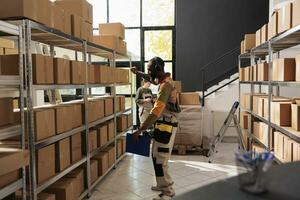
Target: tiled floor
{"x": 134, "y": 175}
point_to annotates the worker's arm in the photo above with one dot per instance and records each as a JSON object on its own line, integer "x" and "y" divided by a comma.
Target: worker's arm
{"x": 159, "y": 105}
{"x": 142, "y": 75}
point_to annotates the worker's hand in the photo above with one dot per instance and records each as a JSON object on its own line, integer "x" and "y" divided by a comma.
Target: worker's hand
{"x": 136, "y": 134}
{"x": 133, "y": 70}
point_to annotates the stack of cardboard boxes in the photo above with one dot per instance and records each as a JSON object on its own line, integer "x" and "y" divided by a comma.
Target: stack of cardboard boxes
{"x": 282, "y": 20}
{"x": 12, "y": 160}
{"x": 73, "y": 17}
{"x": 248, "y": 43}
{"x": 124, "y": 122}
{"x": 112, "y": 35}
{"x": 283, "y": 69}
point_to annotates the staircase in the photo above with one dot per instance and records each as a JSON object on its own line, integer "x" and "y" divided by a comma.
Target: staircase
{"x": 218, "y": 95}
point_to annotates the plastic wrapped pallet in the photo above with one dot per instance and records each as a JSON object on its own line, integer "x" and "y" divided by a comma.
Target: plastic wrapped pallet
{"x": 189, "y": 130}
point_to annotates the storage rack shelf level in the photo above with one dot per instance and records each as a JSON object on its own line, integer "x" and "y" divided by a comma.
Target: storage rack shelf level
{"x": 283, "y": 41}
{"x": 15, "y": 83}
{"x": 42, "y": 34}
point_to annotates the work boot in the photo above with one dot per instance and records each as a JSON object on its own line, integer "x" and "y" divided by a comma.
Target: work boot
{"x": 166, "y": 195}
{"x": 161, "y": 189}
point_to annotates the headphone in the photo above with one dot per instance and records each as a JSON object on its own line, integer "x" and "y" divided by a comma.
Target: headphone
{"x": 158, "y": 66}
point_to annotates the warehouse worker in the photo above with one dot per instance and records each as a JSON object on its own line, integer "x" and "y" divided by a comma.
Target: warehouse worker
{"x": 163, "y": 116}
{"x": 144, "y": 99}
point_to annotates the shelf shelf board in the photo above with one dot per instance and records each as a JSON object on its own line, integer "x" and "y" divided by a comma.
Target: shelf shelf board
{"x": 120, "y": 134}
{"x": 288, "y": 131}
{"x": 58, "y": 176}
{"x": 287, "y": 39}
{"x": 10, "y": 131}
{"x": 13, "y": 187}
{"x": 99, "y": 121}
{"x": 8, "y": 29}
{"x": 53, "y": 87}
{"x": 255, "y": 82}
{"x": 48, "y": 141}
{"x": 9, "y": 81}
{"x": 97, "y": 151}
{"x": 273, "y": 83}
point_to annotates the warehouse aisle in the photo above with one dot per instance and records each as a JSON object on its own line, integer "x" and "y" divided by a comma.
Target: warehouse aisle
{"x": 134, "y": 175}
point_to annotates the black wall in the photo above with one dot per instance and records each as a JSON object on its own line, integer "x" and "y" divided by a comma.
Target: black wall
{"x": 206, "y": 29}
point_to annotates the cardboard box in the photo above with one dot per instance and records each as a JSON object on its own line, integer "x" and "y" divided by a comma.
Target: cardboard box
{"x": 63, "y": 189}
{"x": 297, "y": 59}
{"x": 63, "y": 119}
{"x": 120, "y": 103}
{"x": 122, "y": 47}
{"x": 76, "y": 150}
{"x": 285, "y": 18}
{"x": 102, "y": 159}
{"x": 62, "y": 71}
{"x": 111, "y": 130}
{"x": 189, "y": 98}
{"x": 284, "y": 69}
{"x": 43, "y": 70}
{"x": 12, "y": 159}
{"x": 57, "y": 17}
{"x": 296, "y": 115}
{"x": 102, "y": 135}
{"x": 6, "y": 114}
{"x": 245, "y": 120}
{"x": 129, "y": 120}
{"x": 242, "y": 74}
{"x": 296, "y": 151}
{"x": 107, "y": 41}
{"x": 264, "y": 33}
{"x": 77, "y": 115}
{"x": 263, "y": 72}
{"x": 242, "y": 46}
{"x": 258, "y": 149}
{"x": 19, "y": 9}
{"x": 62, "y": 149}
{"x": 94, "y": 170}
{"x": 45, "y": 196}
{"x": 278, "y": 145}
{"x": 288, "y": 149}
{"x": 124, "y": 144}
{"x": 121, "y": 123}
{"x": 9, "y": 178}
{"x": 9, "y": 65}
{"x": 281, "y": 113}
{"x": 258, "y": 37}
{"x": 273, "y": 26}
{"x": 78, "y": 7}
{"x": 11, "y": 51}
{"x": 109, "y": 106}
{"x": 6, "y": 43}
{"x": 119, "y": 148}
{"x": 77, "y": 25}
{"x": 78, "y": 72}
{"x": 45, "y": 159}
{"x": 95, "y": 109}
{"x": 91, "y": 72}
{"x": 111, "y": 155}
{"x": 77, "y": 176}
{"x": 178, "y": 86}
{"x": 44, "y": 15}
{"x": 115, "y": 29}
{"x": 245, "y": 100}
{"x": 44, "y": 120}
{"x": 89, "y": 31}
{"x": 249, "y": 42}
{"x": 67, "y": 20}
{"x": 93, "y": 140}
{"x": 296, "y": 13}
{"x": 255, "y": 73}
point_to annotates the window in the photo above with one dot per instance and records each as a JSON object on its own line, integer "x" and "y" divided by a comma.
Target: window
{"x": 133, "y": 43}
{"x": 158, "y": 12}
{"x": 99, "y": 12}
{"x": 158, "y": 43}
{"x": 127, "y": 12}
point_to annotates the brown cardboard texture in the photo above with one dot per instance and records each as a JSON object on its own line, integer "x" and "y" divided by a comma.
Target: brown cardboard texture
{"x": 63, "y": 189}
{"x": 62, "y": 149}
{"x": 121, "y": 123}
{"x": 45, "y": 159}
{"x": 76, "y": 151}
{"x": 111, "y": 130}
{"x": 62, "y": 71}
{"x": 93, "y": 140}
{"x": 190, "y": 98}
{"x": 9, "y": 65}
{"x": 102, "y": 135}
{"x": 44, "y": 123}
{"x": 94, "y": 170}
{"x": 102, "y": 159}
{"x": 285, "y": 18}
{"x": 115, "y": 29}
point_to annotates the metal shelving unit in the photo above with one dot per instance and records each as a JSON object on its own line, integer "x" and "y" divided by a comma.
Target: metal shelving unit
{"x": 15, "y": 83}
{"x": 39, "y": 33}
{"x": 285, "y": 40}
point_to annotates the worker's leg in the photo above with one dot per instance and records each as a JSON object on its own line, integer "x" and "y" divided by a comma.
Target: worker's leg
{"x": 161, "y": 154}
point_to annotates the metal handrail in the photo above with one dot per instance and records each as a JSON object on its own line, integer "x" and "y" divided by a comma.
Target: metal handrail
{"x": 219, "y": 88}
{"x": 216, "y": 61}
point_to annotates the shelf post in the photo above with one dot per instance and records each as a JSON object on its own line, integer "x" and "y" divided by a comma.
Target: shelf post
{"x": 270, "y": 91}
